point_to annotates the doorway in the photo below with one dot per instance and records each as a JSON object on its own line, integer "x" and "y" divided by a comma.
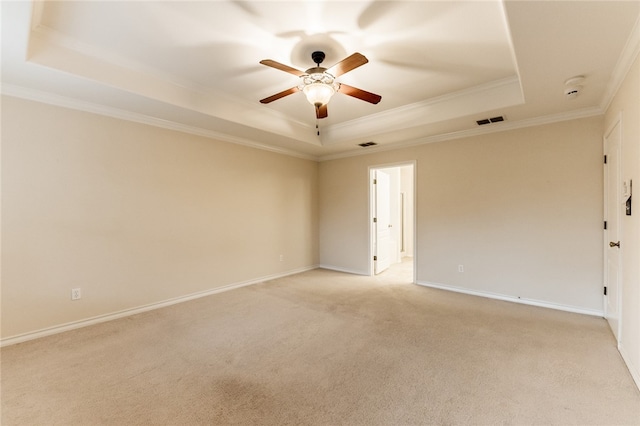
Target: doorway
{"x": 613, "y": 215}
{"x": 392, "y": 218}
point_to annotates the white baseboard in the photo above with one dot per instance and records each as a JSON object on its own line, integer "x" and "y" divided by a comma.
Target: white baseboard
{"x": 542, "y": 304}
{"x": 633, "y": 369}
{"x": 339, "y": 269}
{"x": 12, "y": 340}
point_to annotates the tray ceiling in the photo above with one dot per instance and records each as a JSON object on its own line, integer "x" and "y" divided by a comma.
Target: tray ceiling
{"x": 439, "y": 66}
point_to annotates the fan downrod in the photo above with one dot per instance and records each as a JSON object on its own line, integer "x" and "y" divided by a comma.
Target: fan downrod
{"x": 317, "y": 57}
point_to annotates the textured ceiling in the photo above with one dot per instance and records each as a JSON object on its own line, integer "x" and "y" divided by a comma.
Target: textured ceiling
{"x": 439, "y": 66}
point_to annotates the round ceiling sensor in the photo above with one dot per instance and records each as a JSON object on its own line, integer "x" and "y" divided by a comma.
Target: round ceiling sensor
{"x": 574, "y": 81}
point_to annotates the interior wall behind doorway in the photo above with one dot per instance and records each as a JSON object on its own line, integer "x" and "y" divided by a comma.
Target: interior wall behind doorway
{"x": 402, "y": 215}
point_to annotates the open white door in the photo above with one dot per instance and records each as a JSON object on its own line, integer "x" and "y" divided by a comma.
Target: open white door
{"x": 382, "y": 222}
{"x": 613, "y": 211}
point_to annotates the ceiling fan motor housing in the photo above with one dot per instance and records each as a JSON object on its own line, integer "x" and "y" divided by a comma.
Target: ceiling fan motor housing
{"x": 318, "y": 57}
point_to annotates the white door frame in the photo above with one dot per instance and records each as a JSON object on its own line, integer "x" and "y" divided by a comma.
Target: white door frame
{"x": 617, "y": 123}
{"x": 371, "y": 170}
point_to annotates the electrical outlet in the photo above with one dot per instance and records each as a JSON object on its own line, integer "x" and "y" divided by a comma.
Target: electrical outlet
{"x": 460, "y": 268}
{"x": 75, "y": 294}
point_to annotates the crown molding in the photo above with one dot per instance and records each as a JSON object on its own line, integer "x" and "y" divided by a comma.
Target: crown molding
{"x": 65, "y": 102}
{"x": 498, "y": 127}
{"x": 629, "y": 54}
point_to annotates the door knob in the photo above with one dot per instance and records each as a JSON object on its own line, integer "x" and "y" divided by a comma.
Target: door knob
{"x": 612, "y": 244}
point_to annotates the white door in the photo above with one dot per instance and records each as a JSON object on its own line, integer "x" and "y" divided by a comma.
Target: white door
{"x": 382, "y": 222}
{"x": 613, "y": 211}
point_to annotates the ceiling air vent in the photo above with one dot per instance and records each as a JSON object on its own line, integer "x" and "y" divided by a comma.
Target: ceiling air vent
{"x": 490, "y": 120}
{"x": 366, "y": 144}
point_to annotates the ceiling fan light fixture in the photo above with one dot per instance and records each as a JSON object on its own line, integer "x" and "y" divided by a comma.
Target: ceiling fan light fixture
{"x": 319, "y": 84}
{"x": 319, "y": 93}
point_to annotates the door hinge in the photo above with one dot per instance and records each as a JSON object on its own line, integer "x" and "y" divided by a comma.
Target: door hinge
{"x": 605, "y": 224}
{"x": 605, "y": 291}
{"x": 375, "y": 257}
{"x": 375, "y": 220}
{"x": 605, "y": 159}
{"x": 375, "y": 181}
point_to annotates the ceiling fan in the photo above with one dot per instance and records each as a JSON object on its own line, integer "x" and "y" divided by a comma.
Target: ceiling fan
{"x": 319, "y": 83}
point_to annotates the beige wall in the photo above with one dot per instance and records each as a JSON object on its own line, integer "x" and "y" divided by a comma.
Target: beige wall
{"x": 521, "y": 210}
{"x": 626, "y": 104}
{"x": 136, "y": 215}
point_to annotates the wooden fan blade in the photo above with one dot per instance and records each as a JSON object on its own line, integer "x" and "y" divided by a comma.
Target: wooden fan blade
{"x": 347, "y": 64}
{"x": 279, "y": 95}
{"x": 359, "y": 93}
{"x": 321, "y": 111}
{"x": 282, "y": 67}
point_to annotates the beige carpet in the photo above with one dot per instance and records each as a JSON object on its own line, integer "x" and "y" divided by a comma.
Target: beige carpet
{"x": 325, "y": 348}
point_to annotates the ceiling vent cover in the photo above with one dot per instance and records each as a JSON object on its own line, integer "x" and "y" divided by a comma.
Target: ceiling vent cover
{"x": 490, "y": 120}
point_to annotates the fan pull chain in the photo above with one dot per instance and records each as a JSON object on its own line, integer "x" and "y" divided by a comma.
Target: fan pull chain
{"x": 317, "y": 128}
